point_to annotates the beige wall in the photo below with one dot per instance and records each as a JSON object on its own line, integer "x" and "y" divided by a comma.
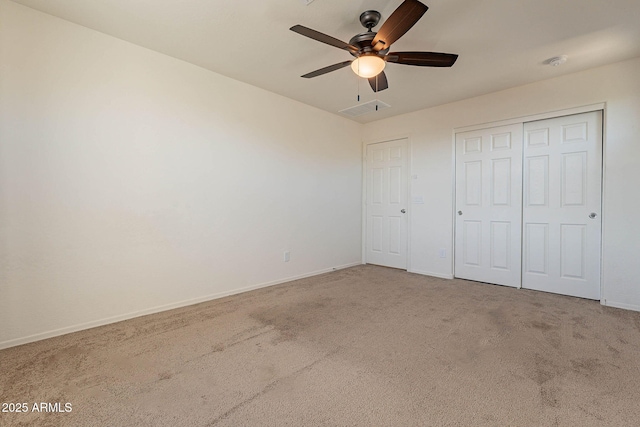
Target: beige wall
{"x": 431, "y": 132}
{"x": 132, "y": 182}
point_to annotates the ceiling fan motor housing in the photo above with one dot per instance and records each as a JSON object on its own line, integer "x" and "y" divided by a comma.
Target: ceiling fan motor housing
{"x": 363, "y": 42}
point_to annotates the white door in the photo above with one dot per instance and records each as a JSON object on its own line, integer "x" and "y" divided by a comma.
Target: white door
{"x": 489, "y": 205}
{"x": 386, "y": 204}
{"x": 562, "y": 205}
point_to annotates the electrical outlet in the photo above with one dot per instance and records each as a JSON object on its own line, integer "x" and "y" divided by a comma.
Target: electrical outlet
{"x": 442, "y": 253}
{"x": 287, "y": 256}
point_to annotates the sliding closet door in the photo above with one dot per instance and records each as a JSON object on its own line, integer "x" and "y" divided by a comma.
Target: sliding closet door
{"x": 562, "y": 205}
{"x": 489, "y": 205}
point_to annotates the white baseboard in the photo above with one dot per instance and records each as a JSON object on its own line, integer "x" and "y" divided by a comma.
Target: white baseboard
{"x": 429, "y": 273}
{"x": 622, "y": 305}
{"x": 158, "y": 309}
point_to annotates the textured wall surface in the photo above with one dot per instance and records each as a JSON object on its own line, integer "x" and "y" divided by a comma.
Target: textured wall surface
{"x": 131, "y": 181}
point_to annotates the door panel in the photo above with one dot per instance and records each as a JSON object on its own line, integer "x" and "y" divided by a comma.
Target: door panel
{"x": 489, "y": 205}
{"x": 501, "y": 182}
{"x": 537, "y": 181}
{"x": 473, "y": 183}
{"x": 386, "y": 197}
{"x": 536, "y": 248}
{"x": 500, "y": 245}
{"x": 573, "y": 245}
{"x": 472, "y": 243}
{"x": 574, "y": 179}
{"x": 563, "y": 174}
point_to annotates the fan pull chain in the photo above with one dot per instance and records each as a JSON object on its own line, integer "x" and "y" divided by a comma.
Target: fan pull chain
{"x": 358, "y": 79}
{"x": 377, "y": 92}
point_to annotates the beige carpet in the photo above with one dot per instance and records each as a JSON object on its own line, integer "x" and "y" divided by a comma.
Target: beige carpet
{"x": 363, "y": 346}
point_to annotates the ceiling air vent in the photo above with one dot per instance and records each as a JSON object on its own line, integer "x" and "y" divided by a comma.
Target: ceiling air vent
{"x": 365, "y": 108}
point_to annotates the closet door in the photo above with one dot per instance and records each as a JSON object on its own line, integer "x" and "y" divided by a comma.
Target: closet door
{"x": 562, "y": 205}
{"x": 489, "y": 205}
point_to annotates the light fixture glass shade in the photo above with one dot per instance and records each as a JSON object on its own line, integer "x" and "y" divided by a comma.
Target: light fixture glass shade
{"x": 368, "y": 66}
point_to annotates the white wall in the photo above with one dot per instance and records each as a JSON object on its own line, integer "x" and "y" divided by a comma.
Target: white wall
{"x": 431, "y": 133}
{"x": 131, "y": 181}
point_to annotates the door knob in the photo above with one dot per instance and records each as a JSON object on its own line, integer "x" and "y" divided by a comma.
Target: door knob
{"x": 403, "y": 211}
{"x": 459, "y": 212}
{"x": 593, "y": 215}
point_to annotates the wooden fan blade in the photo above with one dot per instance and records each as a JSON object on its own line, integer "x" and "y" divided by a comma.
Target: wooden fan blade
{"x": 326, "y": 70}
{"x": 422, "y": 59}
{"x": 400, "y": 21}
{"x": 318, "y": 36}
{"x": 379, "y": 82}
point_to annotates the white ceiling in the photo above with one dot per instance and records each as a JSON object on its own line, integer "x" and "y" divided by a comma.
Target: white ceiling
{"x": 501, "y": 43}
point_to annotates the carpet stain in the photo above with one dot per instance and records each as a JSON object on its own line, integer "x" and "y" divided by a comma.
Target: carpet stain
{"x": 578, "y": 336}
{"x": 580, "y": 321}
{"x": 613, "y": 350}
{"x": 591, "y": 413}
{"x": 545, "y": 369}
{"x": 588, "y": 367}
{"x": 541, "y": 325}
{"x": 236, "y": 340}
{"x": 549, "y": 396}
{"x": 166, "y": 375}
{"x": 554, "y": 339}
{"x": 293, "y": 319}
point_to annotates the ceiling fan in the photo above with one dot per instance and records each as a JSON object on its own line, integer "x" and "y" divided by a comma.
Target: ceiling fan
{"x": 371, "y": 49}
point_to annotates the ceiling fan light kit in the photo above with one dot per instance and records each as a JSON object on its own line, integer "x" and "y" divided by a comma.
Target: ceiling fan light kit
{"x": 368, "y": 65}
{"x": 371, "y": 49}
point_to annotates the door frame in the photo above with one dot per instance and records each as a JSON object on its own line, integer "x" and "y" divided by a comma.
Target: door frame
{"x": 602, "y": 106}
{"x": 365, "y": 146}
